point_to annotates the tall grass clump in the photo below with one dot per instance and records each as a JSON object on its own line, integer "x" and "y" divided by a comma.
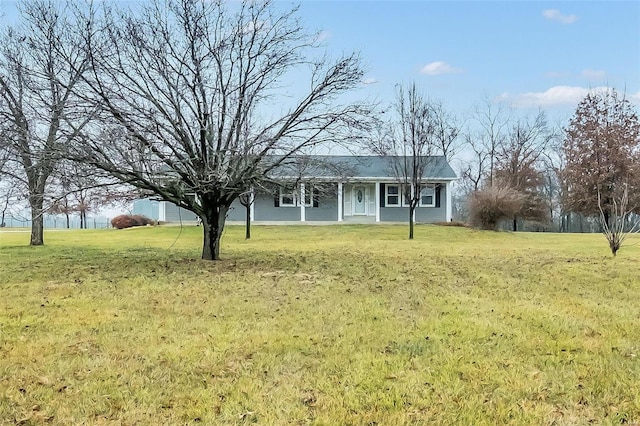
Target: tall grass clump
{"x": 493, "y": 204}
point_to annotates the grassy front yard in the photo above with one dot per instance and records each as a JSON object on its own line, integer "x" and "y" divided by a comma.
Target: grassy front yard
{"x": 336, "y": 325}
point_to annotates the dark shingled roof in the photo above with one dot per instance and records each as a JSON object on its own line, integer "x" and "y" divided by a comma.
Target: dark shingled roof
{"x": 359, "y": 167}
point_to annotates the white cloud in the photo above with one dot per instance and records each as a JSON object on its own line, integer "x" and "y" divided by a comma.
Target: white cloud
{"x": 593, "y": 74}
{"x": 554, "y": 96}
{"x": 556, "y": 15}
{"x": 322, "y": 36}
{"x": 438, "y": 68}
{"x": 369, "y": 80}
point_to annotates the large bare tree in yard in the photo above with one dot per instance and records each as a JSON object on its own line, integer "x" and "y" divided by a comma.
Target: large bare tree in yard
{"x": 197, "y": 95}
{"x": 601, "y": 153}
{"x": 41, "y": 65}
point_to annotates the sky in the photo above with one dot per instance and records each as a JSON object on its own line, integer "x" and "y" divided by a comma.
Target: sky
{"x": 529, "y": 54}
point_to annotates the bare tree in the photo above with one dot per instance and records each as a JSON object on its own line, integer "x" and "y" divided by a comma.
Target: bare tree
{"x": 7, "y": 196}
{"x": 552, "y": 162}
{"x": 6, "y": 188}
{"x": 246, "y": 199}
{"x": 62, "y": 204}
{"x": 618, "y": 225}
{"x": 486, "y": 133}
{"x": 180, "y": 81}
{"x": 518, "y": 166}
{"x": 446, "y": 130}
{"x": 492, "y": 118}
{"x": 475, "y": 169}
{"x": 408, "y": 141}
{"x": 41, "y": 65}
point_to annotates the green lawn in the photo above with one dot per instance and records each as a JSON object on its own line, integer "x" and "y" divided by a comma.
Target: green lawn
{"x": 335, "y": 325}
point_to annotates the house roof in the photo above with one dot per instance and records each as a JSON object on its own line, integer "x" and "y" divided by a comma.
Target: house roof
{"x": 362, "y": 166}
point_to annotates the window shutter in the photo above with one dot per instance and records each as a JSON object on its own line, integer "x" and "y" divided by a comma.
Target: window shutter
{"x": 316, "y": 197}
{"x": 276, "y": 200}
{"x": 437, "y": 195}
{"x": 382, "y": 200}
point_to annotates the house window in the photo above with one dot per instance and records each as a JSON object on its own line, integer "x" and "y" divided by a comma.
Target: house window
{"x": 392, "y": 195}
{"x": 427, "y": 196}
{"x": 288, "y": 196}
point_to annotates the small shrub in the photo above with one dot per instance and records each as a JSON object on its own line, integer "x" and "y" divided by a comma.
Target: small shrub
{"x": 143, "y": 220}
{"x": 491, "y": 205}
{"x": 128, "y": 221}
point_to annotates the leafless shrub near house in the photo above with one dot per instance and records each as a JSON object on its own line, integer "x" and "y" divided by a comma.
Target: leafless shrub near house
{"x": 129, "y": 221}
{"x": 493, "y": 204}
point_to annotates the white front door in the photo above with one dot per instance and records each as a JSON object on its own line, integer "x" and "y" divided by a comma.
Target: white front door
{"x": 359, "y": 200}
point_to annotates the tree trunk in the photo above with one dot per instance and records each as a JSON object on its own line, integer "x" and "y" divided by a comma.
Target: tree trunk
{"x": 515, "y": 224}
{"x": 68, "y": 220}
{"x": 247, "y": 234}
{"x": 411, "y": 210}
{"x": 212, "y": 227}
{"x": 36, "y": 201}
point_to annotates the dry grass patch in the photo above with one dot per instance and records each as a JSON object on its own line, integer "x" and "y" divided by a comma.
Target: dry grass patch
{"x": 318, "y": 325}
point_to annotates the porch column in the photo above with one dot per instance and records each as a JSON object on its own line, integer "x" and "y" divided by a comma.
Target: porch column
{"x": 251, "y": 208}
{"x": 339, "y": 201}
{"x": 377, "y": 198}
{"x": 302, "y": 209}
{"x": 449, "y": 206}
{"x": 162, "y": 212}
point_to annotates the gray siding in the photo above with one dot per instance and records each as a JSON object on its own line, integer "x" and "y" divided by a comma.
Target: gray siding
{"x": 236, "y": 212}
{"x": 327, "y": 209}
{"x": 430, "y": 214}
{"x": 146, "y": 207}
{"x": 151, "y": 209}
{"x": 423, "y": 214}
{"x": 175, "y": 214}
{"x": 264, "y": 210}
{"x": 394, "y": 214}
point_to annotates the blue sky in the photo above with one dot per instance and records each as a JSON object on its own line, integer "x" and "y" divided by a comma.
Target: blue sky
{"x": 528, "y": 54}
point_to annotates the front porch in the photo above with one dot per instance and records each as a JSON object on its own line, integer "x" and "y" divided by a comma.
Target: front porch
{"x": 362, "y": 201}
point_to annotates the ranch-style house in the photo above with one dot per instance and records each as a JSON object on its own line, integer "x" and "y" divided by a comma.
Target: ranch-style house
{"x": 360, "y": 189}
